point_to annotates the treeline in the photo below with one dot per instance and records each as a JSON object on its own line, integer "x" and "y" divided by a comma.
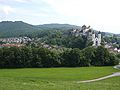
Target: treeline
{"x": 27, "y": 57}
{"x": 63, "y": 38}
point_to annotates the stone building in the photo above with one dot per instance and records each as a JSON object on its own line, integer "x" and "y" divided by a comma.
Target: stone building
{"x": 89, "y": 33}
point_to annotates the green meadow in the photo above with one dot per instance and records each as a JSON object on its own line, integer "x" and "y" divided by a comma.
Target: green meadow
{"x": 58, "y": 79}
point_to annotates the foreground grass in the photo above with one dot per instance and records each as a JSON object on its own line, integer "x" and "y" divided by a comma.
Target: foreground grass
{"x": 57, "y": 79}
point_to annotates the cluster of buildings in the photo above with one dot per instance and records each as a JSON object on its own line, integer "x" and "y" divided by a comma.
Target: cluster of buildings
{"x": 111, "y": 48}
{"x": 89, "y": 33}
{"x": 50, "y": 47}
{"x": 95, "y": 37}
{"x": 14, "y": 41}
{"x": 21, "y": 41}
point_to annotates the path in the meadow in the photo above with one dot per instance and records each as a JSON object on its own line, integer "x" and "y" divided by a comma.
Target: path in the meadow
{"x": 102, "y": 78}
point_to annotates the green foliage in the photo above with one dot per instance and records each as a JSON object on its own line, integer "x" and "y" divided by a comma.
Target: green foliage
{"x": 42, "y": 57}
{"x": 77, "y": 42}
{"x": 27, "y": 57}
{"x": 113, "y": 59}
{"x": 118, "y": 57}
{"x": 89, "y": 55}
{"x": 19, "y": 28}
{"x": 48, "y": 58}
{"x": 102, "y": 56}
{"x": 112, "y": 39}
{"x": 71, "y": 58}
{"x": 2, "y": 43}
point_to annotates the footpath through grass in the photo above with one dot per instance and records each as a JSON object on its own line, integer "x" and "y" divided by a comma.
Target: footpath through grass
{"x": 57, "y": 79}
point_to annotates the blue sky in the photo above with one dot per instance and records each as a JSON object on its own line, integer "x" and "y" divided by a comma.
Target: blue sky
{"x": 102, "y": 15}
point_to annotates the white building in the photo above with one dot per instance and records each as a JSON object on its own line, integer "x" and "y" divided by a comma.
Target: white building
{"x": 96, "y": 38}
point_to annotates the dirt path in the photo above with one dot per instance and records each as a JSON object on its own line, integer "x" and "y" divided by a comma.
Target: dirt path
{"x": 102, "y": 78}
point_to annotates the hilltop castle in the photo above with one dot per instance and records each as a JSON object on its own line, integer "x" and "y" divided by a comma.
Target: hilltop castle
{"x": 89, "y": 33}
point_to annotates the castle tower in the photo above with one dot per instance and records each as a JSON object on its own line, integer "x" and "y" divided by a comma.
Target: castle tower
{"x": 99, "y": 38}
{"x": 93, "y": 38}
{"x": 89, "y": 34}
{"x": 83, "y": 29}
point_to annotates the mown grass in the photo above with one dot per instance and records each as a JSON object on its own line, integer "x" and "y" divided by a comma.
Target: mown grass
{"x": 57, "y": 79}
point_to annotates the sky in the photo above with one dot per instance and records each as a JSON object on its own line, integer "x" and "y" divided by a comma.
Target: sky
{"x": 102, "y": 15}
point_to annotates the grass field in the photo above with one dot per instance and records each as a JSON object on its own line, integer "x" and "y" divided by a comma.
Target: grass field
{"x": 57, "y": 79}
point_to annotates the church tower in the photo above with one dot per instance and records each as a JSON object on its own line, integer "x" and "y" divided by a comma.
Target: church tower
{"x": 99, "y": 38}
{"x": 93, "y": 38}
{"x": 96, "y": 38}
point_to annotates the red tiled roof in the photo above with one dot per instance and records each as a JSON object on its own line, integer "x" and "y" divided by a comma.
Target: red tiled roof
{"x": 11, "y": 45}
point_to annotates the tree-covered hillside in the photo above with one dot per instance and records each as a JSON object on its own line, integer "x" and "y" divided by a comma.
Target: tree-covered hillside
{"x": 58, "y": 26}
{"x": 19, "y": 28}
{"x": 55, "y": 34}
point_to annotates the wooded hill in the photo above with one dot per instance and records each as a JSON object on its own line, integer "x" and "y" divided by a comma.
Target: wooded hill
{"x": 56, "y": 34}
{"x": 19, "y": 28}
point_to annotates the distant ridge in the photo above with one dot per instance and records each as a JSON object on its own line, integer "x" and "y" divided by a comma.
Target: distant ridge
{"x": 9, "y": 28}
{"x": 59, "y": 26}
{"x": 17, "y": 28}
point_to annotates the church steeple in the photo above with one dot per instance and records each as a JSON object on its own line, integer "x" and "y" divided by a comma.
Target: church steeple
{"x": 96, "y": 38}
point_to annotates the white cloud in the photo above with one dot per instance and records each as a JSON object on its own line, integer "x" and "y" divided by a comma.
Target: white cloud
{"x": 102, "y": 14}
{"x": 86, "y": 8}
{"x": 93, "y": 12}
{"x": 7, "y": 9}
{"x": 23, "y": 1}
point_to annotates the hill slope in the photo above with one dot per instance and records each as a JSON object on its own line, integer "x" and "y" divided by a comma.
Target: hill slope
{"x": 9, "y": 28}
{"x": 17, "y": 28}
{"x": 58, "y": 26}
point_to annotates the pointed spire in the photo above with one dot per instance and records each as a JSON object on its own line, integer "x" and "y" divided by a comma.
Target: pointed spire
{"x": 93, "y": 32}
{"x": 99, "y": 32}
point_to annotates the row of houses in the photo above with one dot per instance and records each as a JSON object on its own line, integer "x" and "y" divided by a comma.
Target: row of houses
{"x": 111, "y": 48}
{"x": 16, "y": 40}
{"x": 11, "y": 45}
